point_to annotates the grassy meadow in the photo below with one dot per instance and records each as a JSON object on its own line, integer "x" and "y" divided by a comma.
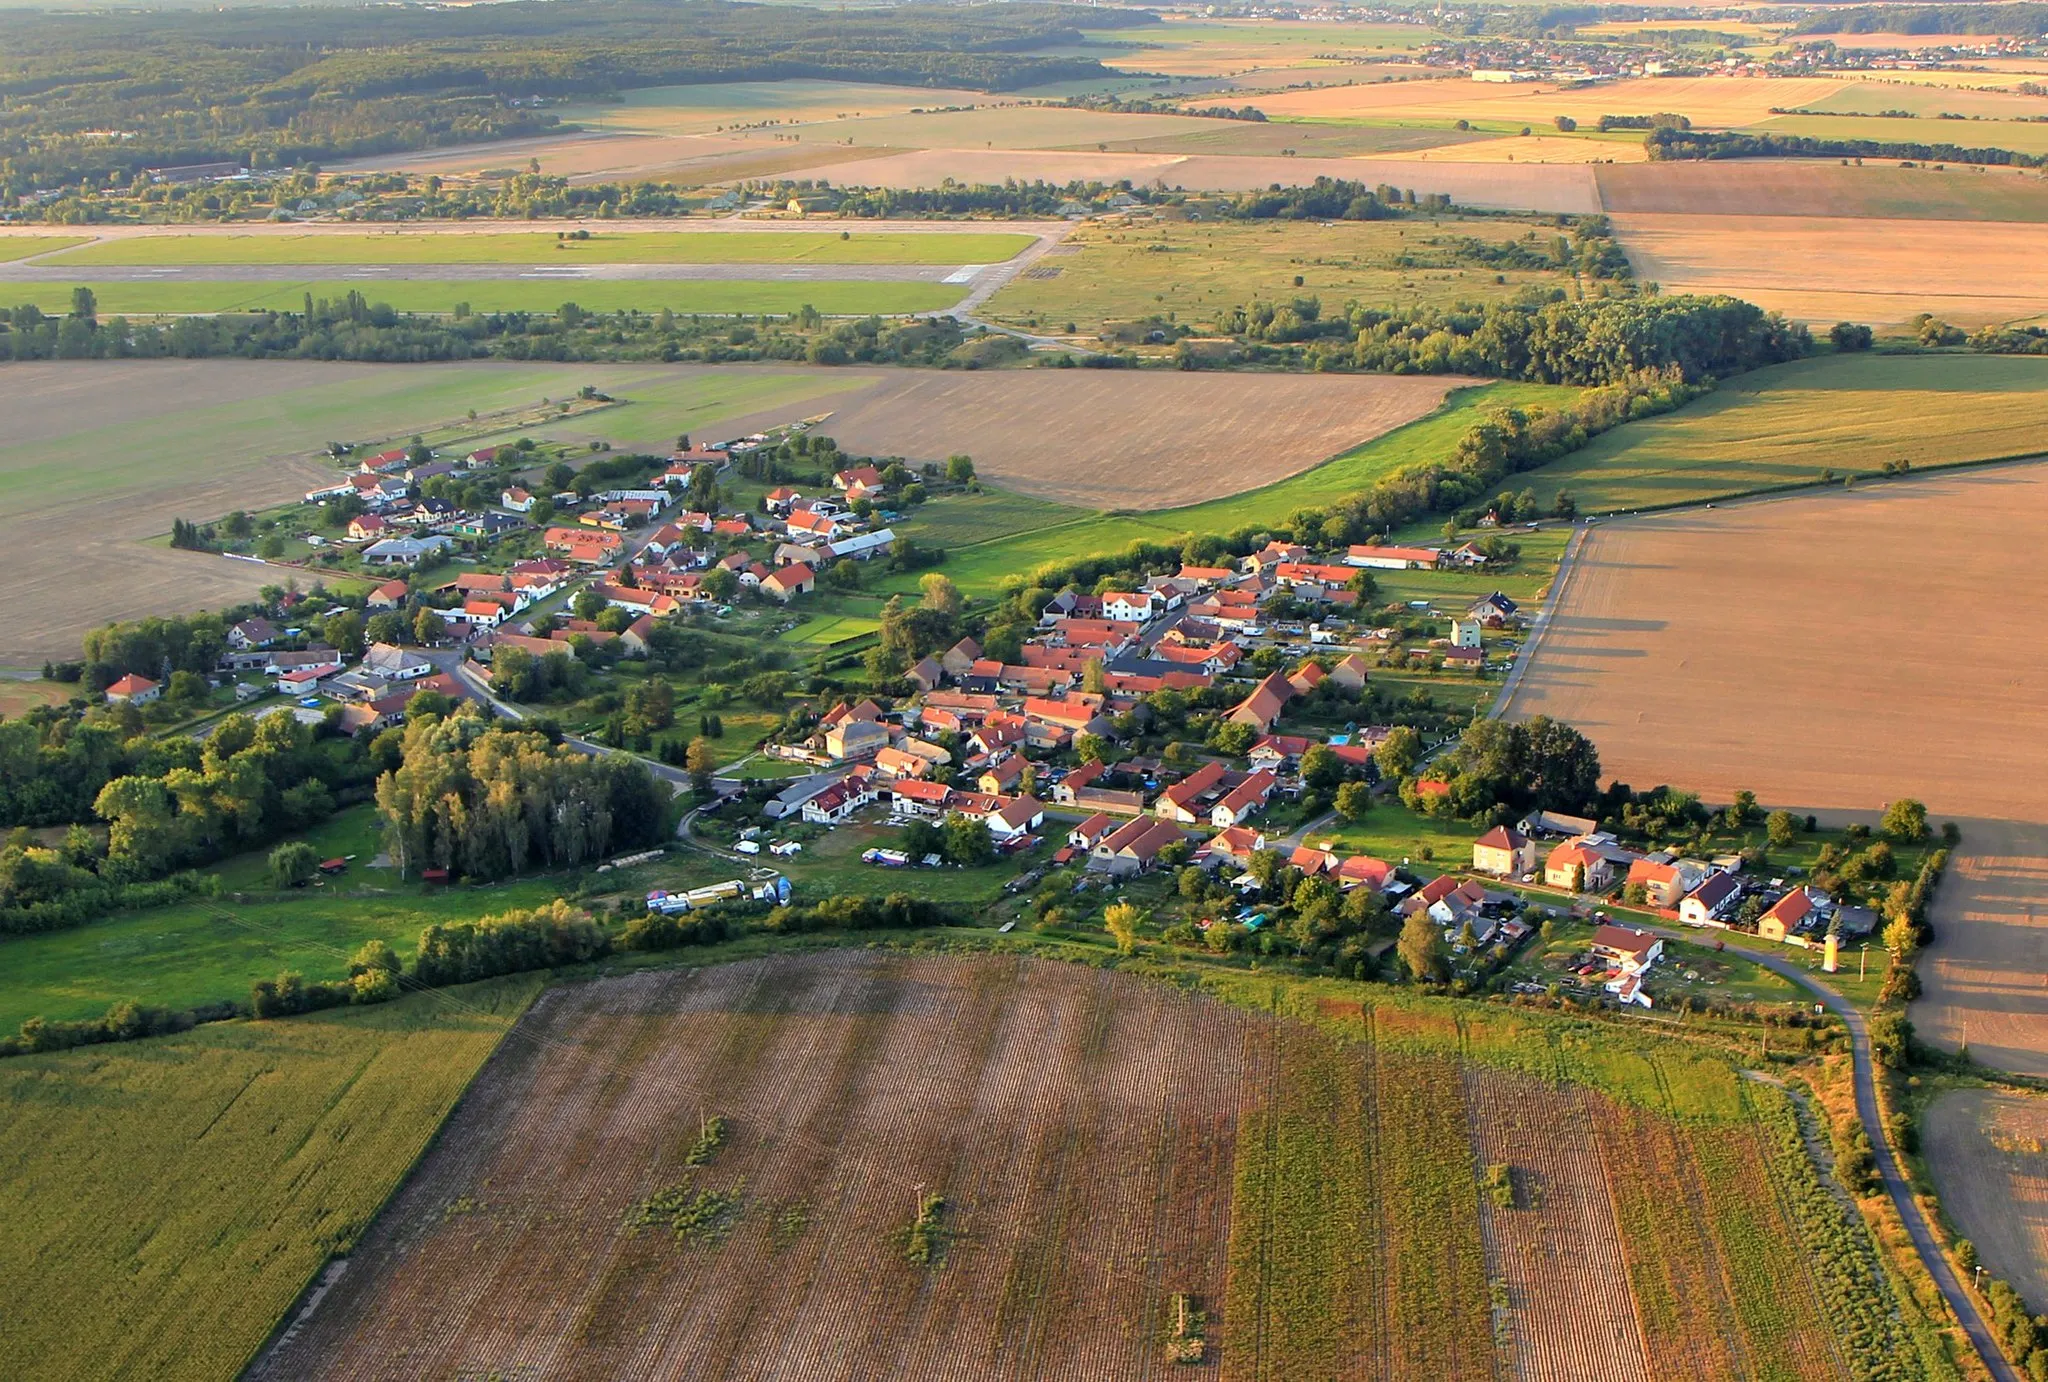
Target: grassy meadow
{"x": 712, "y": 297}
{"x": 14, "y": 247}
{"x": 1197, "y": 271}
{"x": 1787, "y": 424}
{"x": 603, "y": 247}
{"x": 166, "y": 1200}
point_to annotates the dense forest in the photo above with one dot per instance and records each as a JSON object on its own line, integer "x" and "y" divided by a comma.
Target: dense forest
{"x": 1596, "y": 341}
{"x": 101, "y": 96}
{"x": 2026, "y": 20}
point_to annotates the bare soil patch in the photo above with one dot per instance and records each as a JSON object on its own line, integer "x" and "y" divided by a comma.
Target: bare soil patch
{"x": 1988, "y": 1150}
{"x": 1111, "y": 439}
{"x": 1814, "y": 187}
{"x": 1829, "y": 269}
{"x": 1835, "y": 652}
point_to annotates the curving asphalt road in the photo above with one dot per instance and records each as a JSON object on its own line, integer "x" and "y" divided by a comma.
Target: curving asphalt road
{"x": 1924, "y": 1243}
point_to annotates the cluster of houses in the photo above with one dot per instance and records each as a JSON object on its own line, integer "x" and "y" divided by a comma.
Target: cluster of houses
{"x": 401, "y": 527}
{"x": 778, "y": 553}
{"x": 1581, "y": 858}
{"x": 372, "y": 694}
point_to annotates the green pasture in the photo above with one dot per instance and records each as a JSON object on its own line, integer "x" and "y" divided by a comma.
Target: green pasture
{"x": 1786, "y": 425}
{"x": 603, "y": 247}
{"x": 712, "y": 297}
{"x": 830, "y": 629}
{"x": 960, "y": 520}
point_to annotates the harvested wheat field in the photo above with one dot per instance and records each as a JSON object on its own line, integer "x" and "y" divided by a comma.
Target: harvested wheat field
{"x": 1710, "y": 102}
{"x": 1835, "y": 652}
{"x": 1988, "y": 1150}
{"x": 1506, "y": 187}
{"x": 1818, "y": 187}
{"x": 1111, "y": 439}
{"x": 1080, "y": 1148}
{"x": 1829, "y": 269}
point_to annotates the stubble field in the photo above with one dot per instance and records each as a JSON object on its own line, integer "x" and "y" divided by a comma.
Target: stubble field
{"x": 1829, "y": 269}
{"x": 1100, "y": 1145}
{"x": 1835, "y": 652}
{"x": 1110, "y": 439}
{"x": 1817, "y": 187}
{"x": 1986, "y": 1150}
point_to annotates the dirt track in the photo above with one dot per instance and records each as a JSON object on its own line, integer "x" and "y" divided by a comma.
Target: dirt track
{"x": 1832, "y": 653}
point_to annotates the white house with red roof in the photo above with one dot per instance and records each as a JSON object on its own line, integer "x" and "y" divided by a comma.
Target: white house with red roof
{"x": 133, "y": 690}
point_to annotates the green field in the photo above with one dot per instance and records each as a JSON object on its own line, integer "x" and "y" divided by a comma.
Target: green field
{"x": 713, "y": 297}
{"x": 201, "y": 952}
{"x": 1785, "y": 425}
{"x": 167, "y": 1200}
{"x": 1198, "y": 271}
{"x": 960, "y": 520}
{"x": 603, "y": 247}
{"x": 14, "y": 247}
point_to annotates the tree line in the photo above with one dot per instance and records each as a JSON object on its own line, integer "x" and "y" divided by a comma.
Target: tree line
{"x": 168, "y": 805}
{"x": 1672, "y": 144}
{"x": 1549, "y": 340}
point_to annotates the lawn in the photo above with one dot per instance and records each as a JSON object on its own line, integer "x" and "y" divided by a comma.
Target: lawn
{"x": 167, "y": 1200}
{"x": 603, "y": 247}
{"x": 831, "y": 628}
{"x": 960, "y": 520}
{"x": 1398, "y": 835}
{"x": 14, "y": 247}
{"x": 711, "y": 297}
{"x": 1785, "y": 425}
{"x": 1198, "y": 271}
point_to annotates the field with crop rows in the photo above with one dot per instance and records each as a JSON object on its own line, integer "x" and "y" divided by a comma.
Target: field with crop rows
{"x": 990, "y": 1167}
{"x": 166, "y": 1200}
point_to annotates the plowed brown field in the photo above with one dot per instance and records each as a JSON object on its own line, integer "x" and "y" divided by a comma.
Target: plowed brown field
{"x": 1835, "y": 652}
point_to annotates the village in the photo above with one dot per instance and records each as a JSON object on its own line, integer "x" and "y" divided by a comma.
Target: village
{"x": 1217, "y": 721}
